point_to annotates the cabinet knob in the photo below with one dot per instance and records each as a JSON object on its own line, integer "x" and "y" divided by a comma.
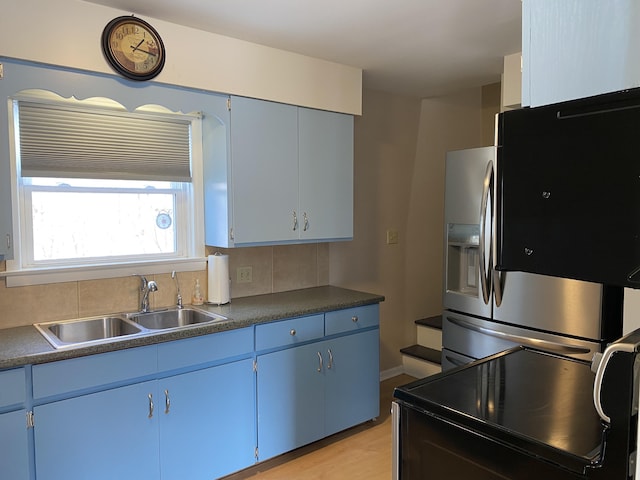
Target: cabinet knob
{"x": 292, "y": 332}
{"x": 354, "y": 319}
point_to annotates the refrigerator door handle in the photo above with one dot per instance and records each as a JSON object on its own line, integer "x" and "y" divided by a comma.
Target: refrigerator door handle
{"x": 546, "y": 345}
{"x": 486, "y": 208}
{"x": 498, "y": 286}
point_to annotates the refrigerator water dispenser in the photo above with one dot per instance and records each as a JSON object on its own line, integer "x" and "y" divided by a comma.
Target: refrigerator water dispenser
{"x": 462, "y": 262}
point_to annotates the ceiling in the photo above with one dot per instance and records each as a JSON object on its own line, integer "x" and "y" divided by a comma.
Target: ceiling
{"x": 421, "y": 48}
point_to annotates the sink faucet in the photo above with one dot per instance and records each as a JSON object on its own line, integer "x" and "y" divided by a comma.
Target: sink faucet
{"x": 145, "y": 288}
{"x": 174, "y": 275}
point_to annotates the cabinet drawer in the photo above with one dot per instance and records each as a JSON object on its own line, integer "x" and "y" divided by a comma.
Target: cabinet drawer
{"x": 205, "y": 349}
{"x": 351, "y": 319}
{"x": 93, "y": 371}
{"x": 289, "y": 332}
{"x": 12, "y": 387}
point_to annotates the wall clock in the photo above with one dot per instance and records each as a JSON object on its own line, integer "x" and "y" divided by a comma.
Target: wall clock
{"x": 133, "y": 48}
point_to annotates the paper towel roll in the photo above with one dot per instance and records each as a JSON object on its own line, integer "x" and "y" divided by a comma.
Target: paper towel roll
{"x": 218, "y": 278}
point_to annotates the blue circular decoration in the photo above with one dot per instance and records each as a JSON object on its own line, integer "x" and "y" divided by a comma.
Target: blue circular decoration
{"x": 163, "y": 221}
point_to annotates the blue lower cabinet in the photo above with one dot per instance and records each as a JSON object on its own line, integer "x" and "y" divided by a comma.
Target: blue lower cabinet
{"x": 290, "y": 399}
{"x": 309, "y": 392}
{"x": 352, "y": 388}
{"x": 103, "y": 436}
{"x": 14, "y": 446}
{"x": 207, "y": 422}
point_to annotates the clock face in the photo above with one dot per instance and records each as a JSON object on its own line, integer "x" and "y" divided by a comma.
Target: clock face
{"x": 133, "y": 48}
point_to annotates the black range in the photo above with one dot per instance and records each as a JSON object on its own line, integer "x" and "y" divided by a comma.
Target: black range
{"x": 520, "y": 414}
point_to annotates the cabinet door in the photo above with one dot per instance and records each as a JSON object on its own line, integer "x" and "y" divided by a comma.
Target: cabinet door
{"x": 326, "y": 175}
{"x": 290, "y": 399}
{"x": 207, "y": 427}
{"x": 578, "y": 48}
{"x": 6, "y": 243}
{"x": 14, "y": 456}
{"x": 102, "y": 436}
{"x": 264, "y": 153}
{"x": 352, "y": 389}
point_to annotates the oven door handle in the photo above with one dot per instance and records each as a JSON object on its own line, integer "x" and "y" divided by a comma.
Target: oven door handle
{"x": 547, "y": 345}
{"x": 601, "y": 362}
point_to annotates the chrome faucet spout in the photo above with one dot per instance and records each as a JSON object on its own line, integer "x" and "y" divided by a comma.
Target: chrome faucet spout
{"x": 146, "y": 287}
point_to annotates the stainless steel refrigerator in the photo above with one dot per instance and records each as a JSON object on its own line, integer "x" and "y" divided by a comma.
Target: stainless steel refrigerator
{"x": 486, "y": 311}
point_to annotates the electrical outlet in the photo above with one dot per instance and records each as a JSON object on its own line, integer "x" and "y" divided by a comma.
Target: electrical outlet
{"x": 244, "y": 274}
{"x": 392, "y": 236}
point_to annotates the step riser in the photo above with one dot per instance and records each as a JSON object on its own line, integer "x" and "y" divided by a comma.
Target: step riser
{"x": 419, "y": 368}
{"x": 429, "y": 337}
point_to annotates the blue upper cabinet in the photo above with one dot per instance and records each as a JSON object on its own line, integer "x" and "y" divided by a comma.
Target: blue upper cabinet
{"x": 264, "y": 150}
{"x": 326, "y": 174}
{"x": 289, "y": 176}
{"x": 578, "y": 48}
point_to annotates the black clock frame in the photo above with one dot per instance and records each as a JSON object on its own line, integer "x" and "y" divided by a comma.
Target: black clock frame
{"x": 113, "y": 61}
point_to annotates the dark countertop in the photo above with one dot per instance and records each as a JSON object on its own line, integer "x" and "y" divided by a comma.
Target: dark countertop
{"x": 25, "y": 345}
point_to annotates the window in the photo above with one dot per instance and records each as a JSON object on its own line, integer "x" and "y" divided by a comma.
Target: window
{"x": 100, "y": 186}
{"x": 78, "y": 220}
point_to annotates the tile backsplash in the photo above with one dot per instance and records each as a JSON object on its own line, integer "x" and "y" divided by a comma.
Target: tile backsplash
{"x": 274, "y": 269}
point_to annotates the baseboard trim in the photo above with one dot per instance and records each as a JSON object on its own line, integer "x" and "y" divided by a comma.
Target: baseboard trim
{"x": 392, "y": 372}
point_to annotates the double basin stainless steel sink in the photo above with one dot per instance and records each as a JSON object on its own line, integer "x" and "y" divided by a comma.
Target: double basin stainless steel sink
{"x": 95, "y": 330}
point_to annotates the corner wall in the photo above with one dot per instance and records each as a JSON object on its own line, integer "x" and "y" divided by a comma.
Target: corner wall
{"x": 400, "y": 145}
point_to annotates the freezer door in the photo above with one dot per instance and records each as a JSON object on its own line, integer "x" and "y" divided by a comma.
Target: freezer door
{"x": 452, "y": 359}
{"x": 561, "y": 305}
{"x": 467, "y": 216}
{"x": 477, "y": 338}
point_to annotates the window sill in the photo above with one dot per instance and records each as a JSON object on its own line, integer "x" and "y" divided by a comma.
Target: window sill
{"x": 41, "y": 276}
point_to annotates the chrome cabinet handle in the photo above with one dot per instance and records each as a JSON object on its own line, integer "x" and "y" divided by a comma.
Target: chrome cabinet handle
{"x": 150, "y": 405}
{"x": 292, "y": 332}
{"x": 306, "y": 221}
{"x": 319, "y": 362}
{"x": 330, "y": 364}
{"x": 167, "y": 401}
{"x": 354, "y": 319}
{"x": 295, "y": 221}
{"x": 8, "y": 241}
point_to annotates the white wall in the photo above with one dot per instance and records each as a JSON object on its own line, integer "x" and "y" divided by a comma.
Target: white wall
{"x": 631, "y": 310}
{"x": 68, "y": 32}
{"x": 400, "y": 145}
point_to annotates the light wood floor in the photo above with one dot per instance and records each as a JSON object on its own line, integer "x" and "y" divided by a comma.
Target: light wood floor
{"x": 362, "y": 452}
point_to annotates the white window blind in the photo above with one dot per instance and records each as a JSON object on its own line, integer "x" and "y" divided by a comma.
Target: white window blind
{"x": 66, "y": 141}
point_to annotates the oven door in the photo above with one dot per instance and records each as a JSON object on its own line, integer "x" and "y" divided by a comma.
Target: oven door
{"x": 438, "y": 449}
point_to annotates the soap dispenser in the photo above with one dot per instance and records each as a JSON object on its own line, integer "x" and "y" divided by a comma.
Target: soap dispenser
{"x": 197, "y": 295}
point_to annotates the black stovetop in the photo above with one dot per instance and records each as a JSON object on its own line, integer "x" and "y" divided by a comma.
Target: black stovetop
{"x": 536, "y": 401}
